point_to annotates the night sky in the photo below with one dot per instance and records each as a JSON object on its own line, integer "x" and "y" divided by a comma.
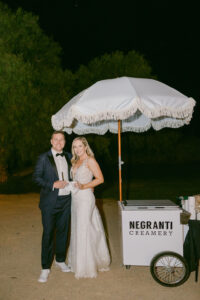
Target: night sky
{"x": 166, "y": 34}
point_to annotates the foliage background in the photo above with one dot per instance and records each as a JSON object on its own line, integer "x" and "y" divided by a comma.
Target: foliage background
{"x": 34, "y": 86}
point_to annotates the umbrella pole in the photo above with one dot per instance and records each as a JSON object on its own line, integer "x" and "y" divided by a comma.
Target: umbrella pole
{"x": 119, "y": 160}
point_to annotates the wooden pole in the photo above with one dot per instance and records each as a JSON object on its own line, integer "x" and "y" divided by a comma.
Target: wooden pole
{"x": 119, "y": 160}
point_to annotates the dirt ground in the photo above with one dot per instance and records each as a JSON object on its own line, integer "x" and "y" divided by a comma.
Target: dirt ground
{"x": 20, "y": 241}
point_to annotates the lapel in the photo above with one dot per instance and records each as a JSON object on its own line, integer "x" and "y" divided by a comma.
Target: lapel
{"x": 68, "y": 162}
{"x": 52, "y": 161}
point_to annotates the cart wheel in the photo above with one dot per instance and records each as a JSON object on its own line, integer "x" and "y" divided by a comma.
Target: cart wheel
{"x": 128, "y": 267}
{"x": 169, "y": 269}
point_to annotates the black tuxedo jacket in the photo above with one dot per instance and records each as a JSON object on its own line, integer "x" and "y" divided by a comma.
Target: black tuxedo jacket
{"x": 45, "y": 174}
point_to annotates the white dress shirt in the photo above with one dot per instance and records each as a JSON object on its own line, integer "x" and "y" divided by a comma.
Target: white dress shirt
{"x": 62, "y": 168}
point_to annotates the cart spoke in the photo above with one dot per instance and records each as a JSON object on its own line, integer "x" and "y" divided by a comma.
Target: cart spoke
{"x": 169, "y": 269}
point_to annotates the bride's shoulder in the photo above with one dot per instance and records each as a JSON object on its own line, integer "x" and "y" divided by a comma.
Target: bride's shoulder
{"x": 91, "y": 160}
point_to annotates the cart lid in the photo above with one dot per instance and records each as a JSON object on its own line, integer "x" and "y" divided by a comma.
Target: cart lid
{"x": 151, "y": 204}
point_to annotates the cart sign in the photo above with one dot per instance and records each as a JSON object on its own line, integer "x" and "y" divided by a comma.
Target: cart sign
{"x": 146, "y": 232}
{"x": 154, "y": 228}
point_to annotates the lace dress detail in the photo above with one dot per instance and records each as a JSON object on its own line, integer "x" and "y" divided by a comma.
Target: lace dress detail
{"x": 88, "y": 251}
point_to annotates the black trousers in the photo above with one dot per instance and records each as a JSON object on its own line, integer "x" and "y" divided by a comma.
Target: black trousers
{"x": 55, "y": 231}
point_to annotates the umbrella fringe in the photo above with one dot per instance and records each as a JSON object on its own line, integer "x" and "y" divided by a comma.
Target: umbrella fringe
{"x": 154, "y": 124}
{"x": 180, "y": 113}
{"x": 60, "y": 120}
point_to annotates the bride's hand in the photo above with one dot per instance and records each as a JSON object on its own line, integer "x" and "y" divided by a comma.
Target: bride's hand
{"x": 79, "y": 185}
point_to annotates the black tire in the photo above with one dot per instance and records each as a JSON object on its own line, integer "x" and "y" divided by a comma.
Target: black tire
{"x": 169, "y": 269}
{"x": 128, "y": 267}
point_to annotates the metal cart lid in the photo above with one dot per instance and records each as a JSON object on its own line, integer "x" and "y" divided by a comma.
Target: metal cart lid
{"x": 158, "y": 203}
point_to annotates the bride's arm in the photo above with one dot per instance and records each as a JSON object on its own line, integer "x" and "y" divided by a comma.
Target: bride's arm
{"x": 98, "y": 176}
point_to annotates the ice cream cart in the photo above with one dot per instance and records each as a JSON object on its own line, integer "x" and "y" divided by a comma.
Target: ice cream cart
{"x": 152, "y": 235}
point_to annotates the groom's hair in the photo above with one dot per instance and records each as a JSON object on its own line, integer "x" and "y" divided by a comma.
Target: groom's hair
{"x": 57, "y": 132}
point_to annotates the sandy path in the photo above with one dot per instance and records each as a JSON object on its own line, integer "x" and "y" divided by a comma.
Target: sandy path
{"x": 20, "y": 238}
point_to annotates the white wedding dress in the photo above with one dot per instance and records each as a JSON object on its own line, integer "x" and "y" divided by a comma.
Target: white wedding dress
{"x": 88, "y": 251}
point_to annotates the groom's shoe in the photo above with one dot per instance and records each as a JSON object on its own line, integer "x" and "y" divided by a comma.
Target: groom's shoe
{"x": 44, "y": 275}
{"x": 62, "y": 266}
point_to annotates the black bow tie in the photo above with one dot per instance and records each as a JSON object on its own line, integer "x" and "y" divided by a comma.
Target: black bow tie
{"x": 61, "y": 154}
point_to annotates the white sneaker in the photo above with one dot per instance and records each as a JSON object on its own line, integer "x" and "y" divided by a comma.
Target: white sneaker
{"x": 44, "y": 275}
{"x": 62, "y": 266}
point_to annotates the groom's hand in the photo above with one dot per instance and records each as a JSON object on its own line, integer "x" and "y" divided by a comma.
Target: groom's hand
{"x": 60, "y": 184}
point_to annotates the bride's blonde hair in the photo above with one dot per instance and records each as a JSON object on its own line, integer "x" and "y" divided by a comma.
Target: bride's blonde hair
{"x": 88, "y": 150}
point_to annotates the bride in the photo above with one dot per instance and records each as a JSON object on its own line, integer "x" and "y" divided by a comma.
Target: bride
{"x": 88, "y": 251}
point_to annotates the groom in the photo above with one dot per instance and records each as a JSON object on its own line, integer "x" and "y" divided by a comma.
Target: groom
{"x": 52, "y": 174}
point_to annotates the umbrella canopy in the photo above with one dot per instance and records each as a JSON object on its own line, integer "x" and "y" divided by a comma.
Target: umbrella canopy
{"x": 124, "y": 104}
{"x": 138, "y": 102}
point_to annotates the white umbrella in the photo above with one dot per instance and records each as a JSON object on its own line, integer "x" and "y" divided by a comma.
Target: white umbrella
{"x": 138, "y": 103}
